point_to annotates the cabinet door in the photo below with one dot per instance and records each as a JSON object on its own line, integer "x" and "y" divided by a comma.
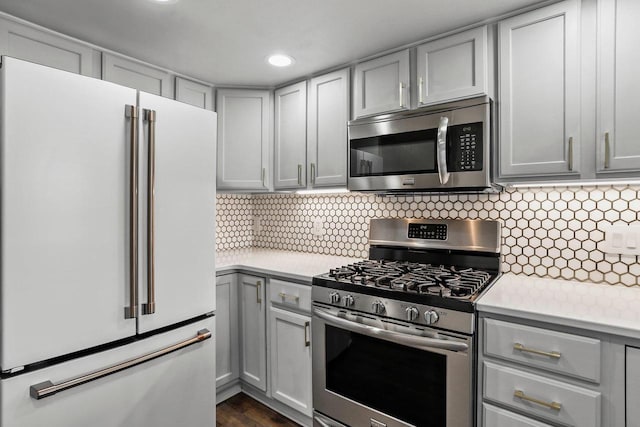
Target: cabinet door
{"x": 243, "y": 139}
{"x": 253, "y": 333}
{"x": 30, "y": 44}
{"x": 194, "y": 93}
{"x": 291, "y": 359}
{"x": 328, "y": 115}
{"x": 539, "y": 92}
{"x": 382, "y": 85}
{"x": 137, "y": 75}
{"x": 453, "y": 67}
{"x": 633, "y": 387}
{"x": 291, "y": 136}
{"x": 227, "y": 349}
{"x": 618, "y": 86}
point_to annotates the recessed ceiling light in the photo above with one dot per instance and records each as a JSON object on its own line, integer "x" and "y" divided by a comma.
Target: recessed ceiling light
{"x": 280, "y": 60}
{"x": 164, "y": 1}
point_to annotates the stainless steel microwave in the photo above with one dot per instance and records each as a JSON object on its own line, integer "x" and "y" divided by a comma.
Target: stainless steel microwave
{"x": 442, "y": 148}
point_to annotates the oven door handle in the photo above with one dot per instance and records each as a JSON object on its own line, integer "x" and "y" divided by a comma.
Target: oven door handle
{"x": 399, "y": 338}
{"x": 443, "y": 173}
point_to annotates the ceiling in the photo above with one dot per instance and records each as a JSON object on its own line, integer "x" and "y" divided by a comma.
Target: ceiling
{"x": 226, "y": 41}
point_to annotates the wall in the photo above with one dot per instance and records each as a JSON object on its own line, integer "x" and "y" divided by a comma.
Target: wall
{"x": 548, "y": 232}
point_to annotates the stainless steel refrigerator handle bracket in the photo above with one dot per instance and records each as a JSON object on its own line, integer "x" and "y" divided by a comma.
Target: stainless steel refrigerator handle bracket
{"x": 443, "y": 173}
{"x": 411, "y": 340}
{"x": 150, "y": 120}
{"x": 131, "y": 311}
{"x": 47, "y": 388}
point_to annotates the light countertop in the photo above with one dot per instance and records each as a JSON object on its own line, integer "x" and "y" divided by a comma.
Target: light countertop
{"x": 597, "y": 307}
{"x": 300, "y": 266}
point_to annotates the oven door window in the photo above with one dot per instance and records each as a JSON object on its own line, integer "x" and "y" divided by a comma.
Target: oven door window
{"x": 404, "y": 153}
{"x": 403, "y": 382}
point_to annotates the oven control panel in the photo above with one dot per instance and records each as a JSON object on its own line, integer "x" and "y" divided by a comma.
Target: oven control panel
{"x": 428, "y": 231}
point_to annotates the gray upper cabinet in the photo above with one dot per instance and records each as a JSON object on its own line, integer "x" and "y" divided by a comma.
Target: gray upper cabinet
{"x": 453, "y": 67}
{"x": 327, "y": 118}
{"x": 118, "y": 69}
{"x": 290, "y": 137}
{"x": 618, "y": 144}
{"x": 633, "y": 387}
{"x": 243, "y": 139}
{"x": 539, "y": 104}
{"x": 194, "y": 93}
{"x": 46, "y": 48}
{"x": 382, "y": 85}
{"x": 253, "y": 333}
{"x": 227, "y": 347}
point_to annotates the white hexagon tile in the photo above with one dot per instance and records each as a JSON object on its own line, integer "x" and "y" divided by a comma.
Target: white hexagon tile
{"x": 548, "y": 232}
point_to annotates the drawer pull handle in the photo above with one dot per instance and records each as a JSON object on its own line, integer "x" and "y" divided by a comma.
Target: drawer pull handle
{"x": 551, "y": 405}
{"x": 284, "y": 296}
{"x": 520, "y": 347}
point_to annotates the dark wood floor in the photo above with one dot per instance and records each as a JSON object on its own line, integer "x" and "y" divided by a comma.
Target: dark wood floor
{"x": 243, "y": 411}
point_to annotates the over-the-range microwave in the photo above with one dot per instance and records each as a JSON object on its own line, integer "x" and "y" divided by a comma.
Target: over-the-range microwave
{"x": 442, "y": 148}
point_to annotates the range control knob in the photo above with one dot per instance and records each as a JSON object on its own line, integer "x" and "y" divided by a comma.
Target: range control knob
{"x": 348, "y": 301}
{"x": 412, "y": 313}
{"x": 378, "y": 307}
{"x": 334, "y": 297}
{"x": 431, "y": 317}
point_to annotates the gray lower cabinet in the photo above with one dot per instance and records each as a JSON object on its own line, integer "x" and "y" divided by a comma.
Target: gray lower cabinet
{"x": 134, "y": 74}
{"x": 290, "y": 137}
{"x": 253, "y": 331}
{"x": 227, "y": 347}
{"x": 243, "y": 140}
{"x": 618, "y": 146}
{"x": 633, "y": 387}
{"x": 327, "y": 117}
{"x": 194, "y": 93}
{"x": 539, "y": 106}
{"x": 46, "y": 48}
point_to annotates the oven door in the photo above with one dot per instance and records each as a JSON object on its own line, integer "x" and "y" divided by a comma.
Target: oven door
{"x": 369, "y": 372}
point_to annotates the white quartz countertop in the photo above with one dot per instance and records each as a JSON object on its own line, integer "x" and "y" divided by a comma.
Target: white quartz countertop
{"x": 597, "y": 307}
{"x": 301, "y": 266}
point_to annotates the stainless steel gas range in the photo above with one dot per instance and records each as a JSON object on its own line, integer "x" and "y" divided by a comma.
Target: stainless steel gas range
{"x": 394, "y": 336}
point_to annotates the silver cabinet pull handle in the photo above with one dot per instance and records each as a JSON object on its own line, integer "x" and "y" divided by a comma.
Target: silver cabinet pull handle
{"x": 150, "y": 120}
{"x": 313, "y": 173}
{"x": 522, "y": 348}
{"x": 131, "y": 311}
{"x": 258, "y": 292}
{"x": 307, "y": 342}
{"x": 401, "y": 94}
{"x": 47, "y": 388}
{"x": 284, "y": 296}
{"x": 299, "y": 174}
{"x": 420, "y": 83}
{"x": 607, "y": 151}
{"x": 519, "y": 394}
{"x": 443, "y": 173}
{"x": 264, "y": 174}
{"x": 570, "y": 154}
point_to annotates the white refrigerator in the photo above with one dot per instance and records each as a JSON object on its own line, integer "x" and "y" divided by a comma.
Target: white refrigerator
{"x": 107, "y": 245}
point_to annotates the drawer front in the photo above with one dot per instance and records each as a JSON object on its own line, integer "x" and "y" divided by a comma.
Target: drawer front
{"x": 498, "y": 417}
{"x": 568, "y": 354}
{"x": 287, "y": 294}
{"x": 533, "y": 394}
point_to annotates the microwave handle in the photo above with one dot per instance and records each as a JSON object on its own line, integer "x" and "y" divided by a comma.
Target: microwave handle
{"x": 443, "y": 173}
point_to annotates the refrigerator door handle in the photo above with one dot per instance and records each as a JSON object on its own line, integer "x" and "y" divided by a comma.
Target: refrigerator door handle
{"x": 47, "y": 388}
{"x": 150, "y": 120}
{"x": 131, "y": 311}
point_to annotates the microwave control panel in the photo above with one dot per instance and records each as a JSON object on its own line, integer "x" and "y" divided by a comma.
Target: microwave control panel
{"x": 465, "y": 146}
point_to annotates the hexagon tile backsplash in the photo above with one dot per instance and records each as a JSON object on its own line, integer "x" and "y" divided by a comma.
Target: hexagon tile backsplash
{"x": 548, "y": 232}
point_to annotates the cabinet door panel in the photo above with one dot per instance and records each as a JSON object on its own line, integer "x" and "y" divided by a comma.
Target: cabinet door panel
{"x": 194, "y": 93}
{"x": 30, "y": 44}
{"x": 539, "y": 86}
{"x": 243, "y": 139}
{"x": 382, "y": 85}
{"x": 136, "y": 75}
{"x": 328, "y": 115}
{"x": 227, "y": 356}
{"x": 291, "y": 359}
{"x": 633, "y": 387}
{"x": 291, "y": 136}
{"x": 253, "y": 333}
{"x": 453, "y": 67}
{"x": 619, "y": 86}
